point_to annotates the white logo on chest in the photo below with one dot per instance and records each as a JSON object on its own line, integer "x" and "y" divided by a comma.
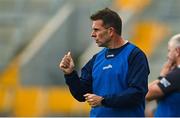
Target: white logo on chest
{"x": 111, "y": 55}
{"x": 107, "y": 67}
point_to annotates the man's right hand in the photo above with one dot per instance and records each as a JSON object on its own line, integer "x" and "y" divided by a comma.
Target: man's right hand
{"x": 67, "y": 64}
{"x": 168, "y": 66}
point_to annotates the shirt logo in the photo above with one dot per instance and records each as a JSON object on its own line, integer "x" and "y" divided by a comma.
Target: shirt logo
{"x": 111, "y": 55}
{"x": 107, "y": 67}
{"x": 165, "y": 82}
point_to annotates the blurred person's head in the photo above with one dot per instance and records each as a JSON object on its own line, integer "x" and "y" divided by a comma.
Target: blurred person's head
{"x": 174, "y": 48}
{"x": 106, "y": 24}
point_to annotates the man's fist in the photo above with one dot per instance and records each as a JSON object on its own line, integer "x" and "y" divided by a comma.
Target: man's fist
{"x": 93, "y": 99}
{"x": 67, "y": 63}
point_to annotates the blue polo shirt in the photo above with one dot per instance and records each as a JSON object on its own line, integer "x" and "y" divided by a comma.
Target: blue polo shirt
{"x": 119, "y": 75}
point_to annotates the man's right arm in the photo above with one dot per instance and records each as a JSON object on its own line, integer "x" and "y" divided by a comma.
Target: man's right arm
{"x": 156, "y": 88}
{"x": 154, "y": 91}
{"x": 76, "y": 86}
{"x": 80, "y": 85}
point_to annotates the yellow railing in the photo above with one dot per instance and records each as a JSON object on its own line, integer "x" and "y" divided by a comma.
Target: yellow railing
{"x": 131, "y": 5}
{"x": 147, "y": 35}
{"x": 18, "y": 100}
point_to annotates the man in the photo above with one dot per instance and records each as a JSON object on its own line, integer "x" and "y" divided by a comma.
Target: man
{"x": 114, "y": 81}
{"x": 166, "y": 89}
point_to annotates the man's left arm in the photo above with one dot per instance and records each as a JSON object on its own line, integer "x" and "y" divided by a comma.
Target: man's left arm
{"x": 134, "y": 95}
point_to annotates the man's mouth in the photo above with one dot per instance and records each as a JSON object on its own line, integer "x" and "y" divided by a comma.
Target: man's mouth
{"x": 97, "y": 41}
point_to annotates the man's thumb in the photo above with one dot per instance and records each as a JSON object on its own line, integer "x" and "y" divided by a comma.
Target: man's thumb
{"x": 69, "y": 53}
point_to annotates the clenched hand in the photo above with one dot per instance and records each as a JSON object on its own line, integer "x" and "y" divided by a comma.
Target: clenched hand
{"x": 93, "y": 99}
{"x": 67, "y": 64}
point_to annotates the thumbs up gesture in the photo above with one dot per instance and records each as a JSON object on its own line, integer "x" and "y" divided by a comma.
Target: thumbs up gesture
{"x": 67, "y": 63}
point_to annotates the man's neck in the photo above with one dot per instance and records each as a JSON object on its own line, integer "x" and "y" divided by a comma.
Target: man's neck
{"x": 178, "y": 62}
{"x": 117, "y": 43}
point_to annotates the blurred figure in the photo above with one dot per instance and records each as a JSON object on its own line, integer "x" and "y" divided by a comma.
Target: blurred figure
{"x": 114, "y": 81}
{"x": 166, "y": 89}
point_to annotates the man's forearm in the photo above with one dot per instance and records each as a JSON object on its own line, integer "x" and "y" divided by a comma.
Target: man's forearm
{"x": 128, "y": 98}
{"x": 154, "y": 91}
{"x": 73, "y": 81}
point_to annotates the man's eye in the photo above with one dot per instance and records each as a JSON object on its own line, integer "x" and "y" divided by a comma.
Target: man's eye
{"x": 96, "y": 30}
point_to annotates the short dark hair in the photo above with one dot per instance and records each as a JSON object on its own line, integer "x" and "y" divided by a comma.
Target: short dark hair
{"x": 110, "y": 19}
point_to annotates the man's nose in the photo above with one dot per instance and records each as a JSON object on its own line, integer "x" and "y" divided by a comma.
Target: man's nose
{"x": 93, "y": 34}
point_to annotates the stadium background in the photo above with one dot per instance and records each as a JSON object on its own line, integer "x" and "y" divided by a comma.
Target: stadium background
{"x": 35, "y": 34}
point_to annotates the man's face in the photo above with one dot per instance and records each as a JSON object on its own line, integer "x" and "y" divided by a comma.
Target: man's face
{"x": 172, "y": 52}
{"x": 100, "y": 34}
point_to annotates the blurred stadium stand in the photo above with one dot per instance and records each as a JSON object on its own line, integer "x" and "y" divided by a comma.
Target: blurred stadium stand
{"x": 35, "y": 34}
